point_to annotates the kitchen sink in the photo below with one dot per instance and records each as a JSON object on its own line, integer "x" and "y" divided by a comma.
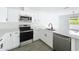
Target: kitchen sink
{"x": 50, "y": 29}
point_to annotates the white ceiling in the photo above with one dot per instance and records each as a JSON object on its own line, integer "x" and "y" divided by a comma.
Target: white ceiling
{"x": 49, "y": 8}
{"x": 45, "y": 8}
{"x": 61, "y": 10}
{"x": 56, "y": 10}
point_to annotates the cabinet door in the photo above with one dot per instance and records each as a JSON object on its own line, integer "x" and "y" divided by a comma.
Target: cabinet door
{"x": 3, "y": 14}
{"x": 7, "y": 42}
{"x": 13, "y": 15}
{"x": 15, "y": 40}
{"x": 36, "y": 34}
{"x": 47, "y": 37}
{"x": 26, "y": 36}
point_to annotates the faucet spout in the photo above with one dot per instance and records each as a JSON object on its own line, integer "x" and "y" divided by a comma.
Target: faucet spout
{"x": 50, "y": 24}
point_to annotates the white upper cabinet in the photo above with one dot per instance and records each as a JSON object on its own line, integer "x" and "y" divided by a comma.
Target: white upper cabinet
{"x": 13, "y": 15}
{"x": 3, "y": 14}
{"x": 9, "y": 14}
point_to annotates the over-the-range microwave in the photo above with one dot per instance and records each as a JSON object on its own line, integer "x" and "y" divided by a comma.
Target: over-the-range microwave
{"x": 25, "y": 18}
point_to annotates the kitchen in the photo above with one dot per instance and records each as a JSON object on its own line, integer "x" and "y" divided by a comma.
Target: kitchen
{"x": 21, "y": 26}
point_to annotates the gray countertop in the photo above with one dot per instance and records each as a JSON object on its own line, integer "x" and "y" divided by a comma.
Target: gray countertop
{"x": 70, "y": 34}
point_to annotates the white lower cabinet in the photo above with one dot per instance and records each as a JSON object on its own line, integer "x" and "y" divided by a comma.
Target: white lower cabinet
{"x": 74, "y": 44}
{"x": 36, "y": 35}
{"x": 10, "y": 41}
{"x": 15, "y": 40}
{"x": 7, "y": 42}
{"x": 45, "y": 35}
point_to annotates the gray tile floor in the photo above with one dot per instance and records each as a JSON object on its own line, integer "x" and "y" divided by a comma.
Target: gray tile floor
{"x": 35, "y": 46}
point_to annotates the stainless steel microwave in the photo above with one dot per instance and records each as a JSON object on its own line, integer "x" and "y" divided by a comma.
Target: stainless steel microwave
{"x": 25, "y": 18}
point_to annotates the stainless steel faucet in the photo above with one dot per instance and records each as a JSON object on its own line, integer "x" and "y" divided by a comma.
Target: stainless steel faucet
{"x": 51, "y": 26}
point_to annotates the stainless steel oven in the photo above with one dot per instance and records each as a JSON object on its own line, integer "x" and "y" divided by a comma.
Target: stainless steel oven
{"x": 26, "y": 33}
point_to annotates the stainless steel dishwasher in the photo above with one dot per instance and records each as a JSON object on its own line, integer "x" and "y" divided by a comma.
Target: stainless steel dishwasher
{"x": 61, "y": 42}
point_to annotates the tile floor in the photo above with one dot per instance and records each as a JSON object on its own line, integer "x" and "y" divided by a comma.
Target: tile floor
{"x": 35, "y": 46}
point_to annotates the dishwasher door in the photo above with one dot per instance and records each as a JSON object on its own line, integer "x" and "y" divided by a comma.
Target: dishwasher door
{"x": 61, "y": 42}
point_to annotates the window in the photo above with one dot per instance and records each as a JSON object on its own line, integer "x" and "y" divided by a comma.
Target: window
{"x": 74, "y": 23}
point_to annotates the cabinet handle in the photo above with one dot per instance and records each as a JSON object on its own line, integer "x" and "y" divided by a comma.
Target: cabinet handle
{"x": 6, "y": 19}
{"x": 1, "y": 45}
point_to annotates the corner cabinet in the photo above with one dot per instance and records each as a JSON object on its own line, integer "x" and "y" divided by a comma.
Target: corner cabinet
{"x": 45, "y": 35}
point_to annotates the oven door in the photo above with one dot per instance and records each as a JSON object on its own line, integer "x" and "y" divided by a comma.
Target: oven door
{"x": 27, "y": 35}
